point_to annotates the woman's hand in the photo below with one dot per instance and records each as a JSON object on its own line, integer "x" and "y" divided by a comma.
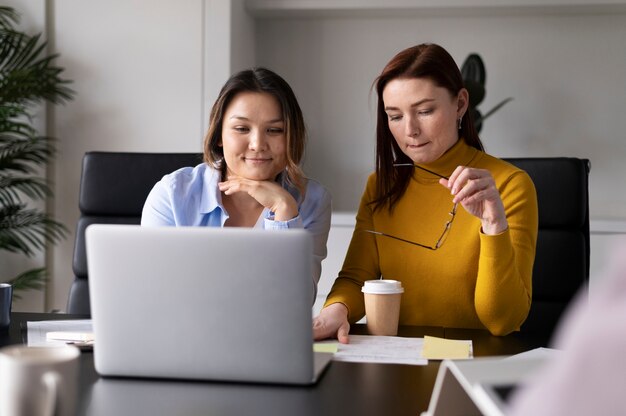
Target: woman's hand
{"x": 332, "y": 322}
{"x": 269, "y": 194}
{"x": 475, "y": 190}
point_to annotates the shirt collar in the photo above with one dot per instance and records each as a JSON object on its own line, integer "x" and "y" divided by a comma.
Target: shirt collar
{"x": 211, "y": 195}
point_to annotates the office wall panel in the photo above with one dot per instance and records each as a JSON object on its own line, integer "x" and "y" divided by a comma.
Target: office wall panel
{"x": 564, "y": 71}
{"x": 137, "y": 68}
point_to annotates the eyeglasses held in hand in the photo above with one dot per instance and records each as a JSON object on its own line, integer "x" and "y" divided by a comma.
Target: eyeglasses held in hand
{"x": 446, "y": 229}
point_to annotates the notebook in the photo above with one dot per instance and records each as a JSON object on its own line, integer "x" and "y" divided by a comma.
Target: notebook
{"x": 202, "y": 303}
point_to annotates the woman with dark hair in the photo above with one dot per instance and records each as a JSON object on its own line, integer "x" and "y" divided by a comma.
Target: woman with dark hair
{"x": 456, "y": 226}
{"x": 251, "y": 174}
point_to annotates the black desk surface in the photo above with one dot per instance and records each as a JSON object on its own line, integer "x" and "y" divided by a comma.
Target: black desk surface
{"x": 345, "y": 388}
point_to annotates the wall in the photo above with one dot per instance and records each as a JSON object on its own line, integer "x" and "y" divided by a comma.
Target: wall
{"x": 137, "y": 68}
{"x": 565, "y": 73}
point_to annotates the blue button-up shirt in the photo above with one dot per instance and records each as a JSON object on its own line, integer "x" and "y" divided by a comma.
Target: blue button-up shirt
{"x": 190, "y": 197}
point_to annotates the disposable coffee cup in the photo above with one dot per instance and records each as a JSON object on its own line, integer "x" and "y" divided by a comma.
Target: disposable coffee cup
{"x": 382, "y": 306}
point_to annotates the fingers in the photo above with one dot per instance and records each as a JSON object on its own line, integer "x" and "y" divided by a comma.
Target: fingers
{"x": 318, "y": 330}
{"x": 321, "y": 329}
{"x": 453, "y": 179}
{"x": 476, "y": 190}
{"x": 469, "y": 185}
{"x": 342, "y": 333}
{"x": 332, "y": 322}
{"x": 322, "y": 332}
{"x": 232, "y": 186}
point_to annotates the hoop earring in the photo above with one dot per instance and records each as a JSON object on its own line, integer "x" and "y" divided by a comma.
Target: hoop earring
{"x": 460, "y": 120}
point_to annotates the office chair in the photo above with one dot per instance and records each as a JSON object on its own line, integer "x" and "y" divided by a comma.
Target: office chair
{"x": 561, "y": 266}
{"x": 113, "y": 188}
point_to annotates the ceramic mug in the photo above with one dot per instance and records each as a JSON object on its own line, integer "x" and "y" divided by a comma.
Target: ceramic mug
{"x": 38, "y": 380}
{"x": 6, "y": 297}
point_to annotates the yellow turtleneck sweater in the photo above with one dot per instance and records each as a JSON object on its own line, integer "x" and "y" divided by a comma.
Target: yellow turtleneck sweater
{"x": 473, "y": 280}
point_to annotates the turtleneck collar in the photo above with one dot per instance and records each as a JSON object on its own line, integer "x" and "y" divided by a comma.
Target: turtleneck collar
{"x": 459, "y": 154}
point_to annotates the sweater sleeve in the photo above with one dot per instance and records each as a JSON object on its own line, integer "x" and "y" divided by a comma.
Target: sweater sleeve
{"x": 504, "y": 283}
{"x": 361, "y": 262}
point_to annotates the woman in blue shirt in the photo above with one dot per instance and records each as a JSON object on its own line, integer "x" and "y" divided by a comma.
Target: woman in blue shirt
{"x": 251, "y": 175}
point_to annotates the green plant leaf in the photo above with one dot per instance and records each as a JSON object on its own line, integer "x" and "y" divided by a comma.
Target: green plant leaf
{"x": 474, "y": 77}
{"x": 496, "y": 108}
{"x": 34, "y": 279}
{"x": 476, "y": 92}
{"x": 27, "y": 230}
{"x": 28, "y": 76}
{"x": 11, "y": 187}
{"x": 8, "y": 17}
{"x": 25, "y": 76}
{"x": 473, "y": 69}
{"x": 22, "y": 155}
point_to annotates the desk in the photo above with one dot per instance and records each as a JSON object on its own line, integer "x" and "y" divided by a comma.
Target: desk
{"x": 345, "y": 389}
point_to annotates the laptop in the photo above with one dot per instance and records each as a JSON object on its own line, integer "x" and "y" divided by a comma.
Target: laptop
{"x": 227, "y": 304}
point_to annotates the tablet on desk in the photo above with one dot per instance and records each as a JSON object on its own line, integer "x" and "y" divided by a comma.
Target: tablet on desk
{"x": 481, "y": 386}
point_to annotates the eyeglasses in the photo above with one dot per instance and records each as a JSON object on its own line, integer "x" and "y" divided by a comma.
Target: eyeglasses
{"x": 446, "y": 229}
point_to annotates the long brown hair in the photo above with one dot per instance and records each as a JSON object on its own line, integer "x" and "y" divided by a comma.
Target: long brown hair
{"x": 260, "y": 80}
{"x": 422, "y": 61}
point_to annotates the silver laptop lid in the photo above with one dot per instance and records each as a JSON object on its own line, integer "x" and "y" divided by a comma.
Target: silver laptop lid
{"x": 201, "y": 303}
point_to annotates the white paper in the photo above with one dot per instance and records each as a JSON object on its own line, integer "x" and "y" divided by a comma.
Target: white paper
{"x": 37, "y": 330}
{"x": 381, "y": 349}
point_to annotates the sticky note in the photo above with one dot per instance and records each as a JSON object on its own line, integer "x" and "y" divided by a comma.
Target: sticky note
{"x": 440, "y": 348}
{"x": 325, "y": 347}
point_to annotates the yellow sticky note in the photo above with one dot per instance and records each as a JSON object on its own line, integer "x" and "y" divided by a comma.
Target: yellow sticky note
{"x": 440, "y": 348}
{"x": 325, "y": 347}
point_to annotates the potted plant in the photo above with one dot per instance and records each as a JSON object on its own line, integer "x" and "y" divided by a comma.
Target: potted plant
{"x": 474, "y": 78}
{"x": 28, "y": 76}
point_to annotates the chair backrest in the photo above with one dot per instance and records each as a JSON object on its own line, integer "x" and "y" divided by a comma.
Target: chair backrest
{"x": 113, "y": 189}
{"x": 114, "y": 186}
{"x": 561, "y": 266}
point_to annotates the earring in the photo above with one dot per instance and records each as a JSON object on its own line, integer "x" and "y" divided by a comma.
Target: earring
{"x": 460, "y": 120}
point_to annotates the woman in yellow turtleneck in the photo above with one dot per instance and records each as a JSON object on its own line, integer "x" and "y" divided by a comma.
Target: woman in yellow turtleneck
{"x": 472, "y": 272}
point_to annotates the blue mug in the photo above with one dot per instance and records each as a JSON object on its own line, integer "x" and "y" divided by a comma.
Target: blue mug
{"x": 6, "y": 296}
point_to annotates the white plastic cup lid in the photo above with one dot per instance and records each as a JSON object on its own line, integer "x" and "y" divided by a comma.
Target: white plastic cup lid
{"x": 382, "y": 286}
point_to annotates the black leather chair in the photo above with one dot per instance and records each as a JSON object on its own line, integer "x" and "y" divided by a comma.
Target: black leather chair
{"x": 113, "y": 188}
{"x": 561, "y": 266}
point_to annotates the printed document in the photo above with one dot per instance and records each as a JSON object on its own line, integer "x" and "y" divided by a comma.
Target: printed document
{"x": 379, "y": 349}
